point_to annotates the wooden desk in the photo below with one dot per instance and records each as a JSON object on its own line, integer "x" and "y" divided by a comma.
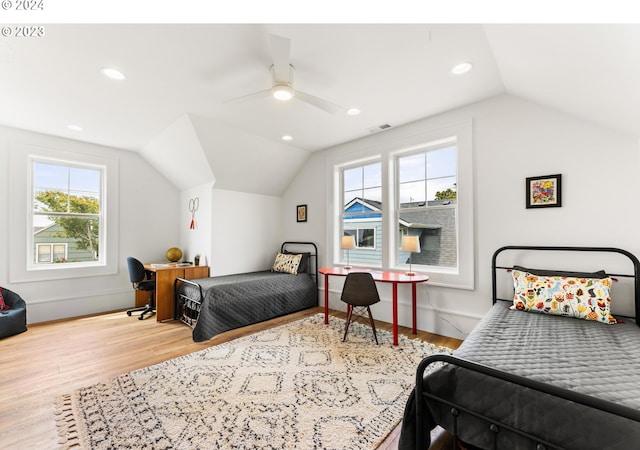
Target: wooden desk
{"x": 165, "y": 276}
{"x": 383, "y": 277}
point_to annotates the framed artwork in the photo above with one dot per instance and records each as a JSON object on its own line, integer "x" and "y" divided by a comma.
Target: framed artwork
{"x": 301, "y": 213}
{"x": 544, "y": 191}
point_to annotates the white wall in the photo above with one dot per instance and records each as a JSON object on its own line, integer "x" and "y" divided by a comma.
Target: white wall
{"x": 512, "y": 139}
{"x": 197, "y": 240}
{"x": 148, "y": 225}
{"x": 246, "y": 231}
{"x": 244, "y": 162}
{"x": 191, "y": 167}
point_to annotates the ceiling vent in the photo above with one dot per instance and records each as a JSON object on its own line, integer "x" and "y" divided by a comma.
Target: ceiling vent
{"x": 377, "y": 128}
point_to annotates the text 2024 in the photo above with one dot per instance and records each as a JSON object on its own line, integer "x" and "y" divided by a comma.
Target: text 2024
{"x": 29, "y": 5}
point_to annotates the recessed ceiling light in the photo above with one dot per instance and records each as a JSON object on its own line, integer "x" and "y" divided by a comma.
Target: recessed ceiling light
{"x": 461, "y": 68}
{"x": 112, "y": 73}
{"x": 353, "y": 111}
{"x": 74, "y": 127}
{"x": 287, "y": 137}
{"x": 282, "y": 92}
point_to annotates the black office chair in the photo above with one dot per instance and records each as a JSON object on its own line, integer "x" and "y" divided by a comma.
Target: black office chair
{"x": 360, "y": 292}
{"x": 141, "y": 280}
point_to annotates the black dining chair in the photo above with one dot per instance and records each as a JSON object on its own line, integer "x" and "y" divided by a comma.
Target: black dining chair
{"x": 141, "y": 281}
{"x": 360, "y": 292}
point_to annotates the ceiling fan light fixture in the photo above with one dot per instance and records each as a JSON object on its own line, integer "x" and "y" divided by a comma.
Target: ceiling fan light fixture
{"x": 282, "y": 92}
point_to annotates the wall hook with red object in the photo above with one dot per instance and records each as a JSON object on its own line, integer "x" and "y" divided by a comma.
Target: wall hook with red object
{"x": 193, "y": 207}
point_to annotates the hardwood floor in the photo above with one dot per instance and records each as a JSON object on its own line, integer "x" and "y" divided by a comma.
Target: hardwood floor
{"x": 55, "y": 358}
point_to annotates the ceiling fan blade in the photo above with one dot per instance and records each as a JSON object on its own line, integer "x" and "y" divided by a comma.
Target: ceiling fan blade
{"x": 252, "y": 96}
{"x": 281, "y": 54}
{"x": 324, "y": 105}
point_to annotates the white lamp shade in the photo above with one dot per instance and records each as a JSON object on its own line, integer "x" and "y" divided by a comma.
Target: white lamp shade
{"x": 411, "y": 244}
{"x": 348, "y": 242}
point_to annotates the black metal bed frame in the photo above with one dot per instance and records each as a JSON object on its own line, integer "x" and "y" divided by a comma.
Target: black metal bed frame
{"x": 496, "y": 427}
{"x": 187, "y": 309}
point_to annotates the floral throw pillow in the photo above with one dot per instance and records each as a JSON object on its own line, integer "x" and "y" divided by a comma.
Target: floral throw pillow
{"x": 582, "y": 298}
{"x": 286, "y": 263}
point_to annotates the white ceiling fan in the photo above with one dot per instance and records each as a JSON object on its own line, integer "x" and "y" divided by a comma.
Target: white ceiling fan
{"x": 282, "y": 80}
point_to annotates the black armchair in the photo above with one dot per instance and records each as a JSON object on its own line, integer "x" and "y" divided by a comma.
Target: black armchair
{"x": 141, "y": 281}
{"x": 13, "y": 320}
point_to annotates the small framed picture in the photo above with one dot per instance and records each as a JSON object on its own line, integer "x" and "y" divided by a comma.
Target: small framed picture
{"x": 301, "y": 213}
{"x": 544, "y": 191}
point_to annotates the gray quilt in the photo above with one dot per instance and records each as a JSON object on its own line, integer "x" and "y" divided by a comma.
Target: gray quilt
{"x": 234, "y": 301}
{"x": 589, "y": 357}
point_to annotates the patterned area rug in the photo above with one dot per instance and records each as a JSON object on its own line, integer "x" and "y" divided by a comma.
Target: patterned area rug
{"x": 297, "y": 386}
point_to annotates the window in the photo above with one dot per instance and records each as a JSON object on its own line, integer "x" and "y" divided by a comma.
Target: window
{"x": 51, "y": 253}
{"x": 62, "y": 198}
{"x": 416, "y": 185}
{"x": 364, "y": 237}
{"x": 67, "y": 213}
{"x": 427, "y": 202}
{"x": 361, "y": 197}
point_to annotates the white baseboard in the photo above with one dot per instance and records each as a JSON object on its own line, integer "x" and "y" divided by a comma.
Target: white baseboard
{"x": 47, "y": 309}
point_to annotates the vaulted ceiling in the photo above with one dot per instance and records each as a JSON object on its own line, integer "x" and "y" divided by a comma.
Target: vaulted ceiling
{"x": 182, "y": 78}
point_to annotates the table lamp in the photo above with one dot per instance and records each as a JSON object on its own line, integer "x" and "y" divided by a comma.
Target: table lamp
{"x": 410, "y": 244}
{"x": 347, "y": 243}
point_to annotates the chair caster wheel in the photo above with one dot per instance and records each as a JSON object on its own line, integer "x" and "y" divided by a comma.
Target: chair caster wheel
{"x": 129, "y": 313}
{"x": 141, "y": 318}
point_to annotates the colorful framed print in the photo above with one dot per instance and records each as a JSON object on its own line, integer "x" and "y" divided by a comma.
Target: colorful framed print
{"x": 301, "y": 213}
{"x": 544, "y": 191}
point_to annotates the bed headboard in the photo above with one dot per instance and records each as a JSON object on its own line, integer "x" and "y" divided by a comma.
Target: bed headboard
{"x": 610, "y": 250}
{"x": 304, "y": 247}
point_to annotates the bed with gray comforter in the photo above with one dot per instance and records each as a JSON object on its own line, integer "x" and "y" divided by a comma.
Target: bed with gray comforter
{"x": 234, "y": 301}
{"x": 217, "y": 304}
{"x": 524, "y": 380}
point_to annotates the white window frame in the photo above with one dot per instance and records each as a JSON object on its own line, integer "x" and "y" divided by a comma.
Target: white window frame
{"x": 338, "y": 219}
{"x": 389, "y": 144}
{"x": 397, "y": 210}
{"x": 32, "y": 264}
{"x": 23, "y": 267}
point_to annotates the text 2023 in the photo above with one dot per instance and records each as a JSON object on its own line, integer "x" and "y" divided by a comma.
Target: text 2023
{"x": 29, "y": 31}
